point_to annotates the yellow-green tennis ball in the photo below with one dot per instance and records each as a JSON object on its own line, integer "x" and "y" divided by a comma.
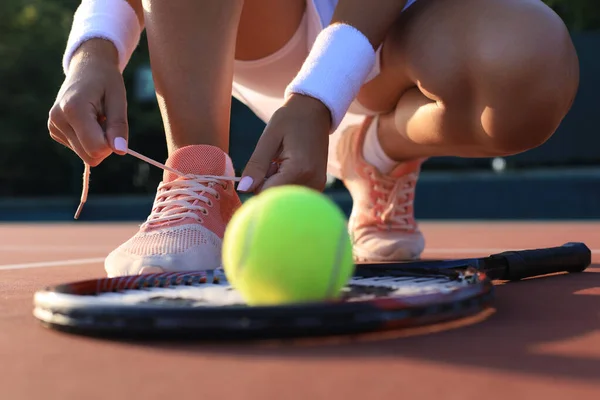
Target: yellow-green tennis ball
{"x": 289, "y": 244}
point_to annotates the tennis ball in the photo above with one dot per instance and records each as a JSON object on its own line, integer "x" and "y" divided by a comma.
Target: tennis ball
{"x": 288, "y": 244}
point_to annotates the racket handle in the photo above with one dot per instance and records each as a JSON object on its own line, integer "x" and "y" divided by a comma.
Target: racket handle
{"x": 570, "y": 257}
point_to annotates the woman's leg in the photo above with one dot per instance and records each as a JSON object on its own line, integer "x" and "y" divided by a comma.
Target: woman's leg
{"x": 192, "y": 46}
{"x": 471, "y": 78}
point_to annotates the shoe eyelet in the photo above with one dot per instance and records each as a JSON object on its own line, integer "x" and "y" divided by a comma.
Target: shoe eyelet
{"x": 209, "y": 203}
{"x": 217, "y": 196}
{"x": 204, "y": 212}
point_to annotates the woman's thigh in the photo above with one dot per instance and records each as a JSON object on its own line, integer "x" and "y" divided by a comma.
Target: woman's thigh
{"x": 461, "y": 50}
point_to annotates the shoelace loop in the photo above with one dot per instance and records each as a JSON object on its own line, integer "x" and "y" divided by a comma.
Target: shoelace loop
{"x": 181, "y": 199}
{"x": 396, "y": 201}
{"x": 191, "y": 188}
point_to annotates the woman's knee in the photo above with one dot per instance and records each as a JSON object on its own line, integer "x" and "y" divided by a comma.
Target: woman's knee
{"x": 504, "y": 72}
{"x": 523, "y": 82}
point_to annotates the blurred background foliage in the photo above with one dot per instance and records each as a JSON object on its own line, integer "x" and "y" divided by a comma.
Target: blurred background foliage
{"x": 33, "y": 34}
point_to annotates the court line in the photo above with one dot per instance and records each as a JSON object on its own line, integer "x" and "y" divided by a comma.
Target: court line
{"x": 86, "y": 261}
{"x": 58, "y": 263}
{"x": 82, "y": 249}
{"x": 53, "y": 249}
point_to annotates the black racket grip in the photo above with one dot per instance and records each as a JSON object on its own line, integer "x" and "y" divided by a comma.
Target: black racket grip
{"x": 570, "y": 257}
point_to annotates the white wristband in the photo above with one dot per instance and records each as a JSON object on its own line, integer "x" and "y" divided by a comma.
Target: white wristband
{"x": 335, "y": 69}
{"x": 112, "y": 20}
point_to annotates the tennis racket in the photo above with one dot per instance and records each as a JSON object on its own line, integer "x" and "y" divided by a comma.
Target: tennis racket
{"x": 202, "y": 305}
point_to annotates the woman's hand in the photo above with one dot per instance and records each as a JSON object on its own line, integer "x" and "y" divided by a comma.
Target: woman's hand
{"x": 90, "y": 112}
{"x": 297, "y": 140}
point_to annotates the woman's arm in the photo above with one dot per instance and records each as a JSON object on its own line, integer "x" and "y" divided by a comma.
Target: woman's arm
{"x": 343, "y": 55}
{"x": 110, "y": 29}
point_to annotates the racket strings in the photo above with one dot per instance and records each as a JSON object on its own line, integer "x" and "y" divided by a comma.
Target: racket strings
{"x": 149, "y": 281}
{"x": 360, "y": 288}
{"x": 174, "y": 279}
{"x": 383, "y": 281}
{"x": 210, "y": 288}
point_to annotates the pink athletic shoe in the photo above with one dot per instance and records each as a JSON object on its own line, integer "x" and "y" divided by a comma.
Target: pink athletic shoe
{"x": 186, "y": 226}
{"x": 382, "y": 223}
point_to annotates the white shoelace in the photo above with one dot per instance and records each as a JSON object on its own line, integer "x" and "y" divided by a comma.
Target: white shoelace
{"x": 395, "y": 209}
{"x": 184, "y": 199}
{"x": 174, "y": 200}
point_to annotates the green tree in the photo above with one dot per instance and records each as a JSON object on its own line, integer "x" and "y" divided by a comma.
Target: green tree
{"x": 579, "y": 15}
{"x": 33, "y": 34}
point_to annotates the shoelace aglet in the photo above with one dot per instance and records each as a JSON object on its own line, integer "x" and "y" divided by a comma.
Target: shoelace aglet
{"x": 78, "y": 212}
{"x": 84, "y": 192}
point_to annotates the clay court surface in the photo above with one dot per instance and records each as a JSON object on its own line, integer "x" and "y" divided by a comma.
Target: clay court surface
{"x": 542, "y": 342}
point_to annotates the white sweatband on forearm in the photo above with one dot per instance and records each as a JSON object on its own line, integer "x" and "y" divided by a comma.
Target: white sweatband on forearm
{"x": 112, "y": 20}
{"x": 335, "y": 69}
